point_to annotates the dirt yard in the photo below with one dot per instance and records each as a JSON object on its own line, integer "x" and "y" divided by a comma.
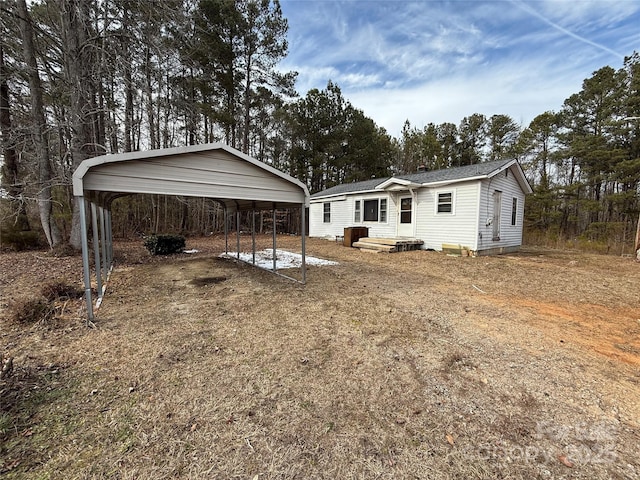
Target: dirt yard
{"x": 407, "y": 365}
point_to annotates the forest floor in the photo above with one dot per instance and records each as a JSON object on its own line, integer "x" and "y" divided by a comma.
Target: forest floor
{"x": 404, "y": 365}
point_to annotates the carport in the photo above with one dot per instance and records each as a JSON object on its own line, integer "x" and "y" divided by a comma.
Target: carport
{"x": 237, "y": 181}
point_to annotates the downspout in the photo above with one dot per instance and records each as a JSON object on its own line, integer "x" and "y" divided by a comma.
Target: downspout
{"x": 414, "y": 211}
{"x": 479, "y": 207}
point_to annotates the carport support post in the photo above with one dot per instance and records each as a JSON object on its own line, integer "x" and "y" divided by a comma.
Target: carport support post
{"x": 109, "y": 238}
{"x": 103, "y": 244}
{"x": 85, "y": 258}
{"x": 226, "y": 231}
{"x": 275, "y": 261}
{"x": 253, "y": 231}
{"x": 238, "y": 234}
{"x": 96, "y": 247}
{"x": 304, "y": 229}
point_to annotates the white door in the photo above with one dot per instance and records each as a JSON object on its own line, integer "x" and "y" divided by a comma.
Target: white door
{"x": 405, "y": 217}
{"x": 497, "y": 208}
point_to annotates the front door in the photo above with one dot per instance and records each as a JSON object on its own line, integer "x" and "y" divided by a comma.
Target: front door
{"x": 405, "y": 217}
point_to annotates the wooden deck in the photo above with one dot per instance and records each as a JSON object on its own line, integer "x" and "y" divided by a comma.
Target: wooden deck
{"x": 388, "y": 245}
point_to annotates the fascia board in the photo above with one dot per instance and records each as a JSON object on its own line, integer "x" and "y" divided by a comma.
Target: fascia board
{"x": 394, "y": 180}
{"x": 357, "y": 192}
{"x": 518, "y": 173}
{"x": 443, "y": 183}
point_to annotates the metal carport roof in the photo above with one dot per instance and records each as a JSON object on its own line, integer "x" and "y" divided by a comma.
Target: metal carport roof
{"x": 211, "y": 170}
{"x": 238, "y": 181}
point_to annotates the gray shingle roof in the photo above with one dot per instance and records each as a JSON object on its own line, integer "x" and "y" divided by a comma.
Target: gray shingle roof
{"x": 444, "y": 175}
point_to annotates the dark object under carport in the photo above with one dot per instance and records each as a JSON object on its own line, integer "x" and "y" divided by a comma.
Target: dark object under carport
{"x": 353, "y": 234}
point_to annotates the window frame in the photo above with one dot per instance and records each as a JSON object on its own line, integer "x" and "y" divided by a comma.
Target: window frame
{"x": 514, "y": 212}
{"x": 357, "y": 211}
{"x": 451, "y": 202}
{"x": 382, "y": 210}
{"x": 326, "y": 212}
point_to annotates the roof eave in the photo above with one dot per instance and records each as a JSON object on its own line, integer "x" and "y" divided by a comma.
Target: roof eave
{"x": 443, "y": 183}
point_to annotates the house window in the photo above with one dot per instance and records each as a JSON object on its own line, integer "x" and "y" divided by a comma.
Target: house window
{"x": 327, "y": 212}
{"x": 514, "y": 211}
{"x": 383, "y": 209}
{"x": 375, "y": 210}
{"x": 445, "y": 202}
{"x": 371, "y": 210}
{"x": 357, "y": 212}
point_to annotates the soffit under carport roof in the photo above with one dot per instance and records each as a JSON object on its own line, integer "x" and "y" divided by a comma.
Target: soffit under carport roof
{"x": 214, "y": 171}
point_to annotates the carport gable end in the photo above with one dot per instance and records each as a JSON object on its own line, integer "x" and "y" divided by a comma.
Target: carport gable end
{"x": 211, "y": 170}
{"x": 237, "y": 181}
{"x": 478, "y": 207}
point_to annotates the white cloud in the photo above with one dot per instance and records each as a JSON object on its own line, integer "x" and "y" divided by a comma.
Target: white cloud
{"x": 440, "y": 61}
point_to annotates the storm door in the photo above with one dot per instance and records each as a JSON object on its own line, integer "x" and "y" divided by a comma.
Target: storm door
{"x": 405, "y": 217}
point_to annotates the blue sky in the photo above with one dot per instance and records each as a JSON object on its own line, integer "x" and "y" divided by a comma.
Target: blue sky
{"x": 439, "y": 61}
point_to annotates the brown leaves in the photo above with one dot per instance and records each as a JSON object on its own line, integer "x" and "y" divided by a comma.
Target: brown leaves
{"x": 565, "y": 461}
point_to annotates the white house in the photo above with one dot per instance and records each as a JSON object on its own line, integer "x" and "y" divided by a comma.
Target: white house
{"x": 479, "y": 207}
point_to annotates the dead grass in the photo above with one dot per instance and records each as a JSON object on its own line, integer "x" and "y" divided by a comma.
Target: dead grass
{"x": 385, "y": 366}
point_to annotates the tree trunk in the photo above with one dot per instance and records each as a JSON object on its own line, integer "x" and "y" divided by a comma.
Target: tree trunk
{"x": 41, "y": 141}
{"x": 637, "y": 242}
{"x": 78, "y": 61}
{"x": 10, "y": 180}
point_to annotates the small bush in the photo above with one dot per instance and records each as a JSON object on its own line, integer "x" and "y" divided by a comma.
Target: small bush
{"x": 59, "y": 289}
{"x": 63, "y": 250}
{"x": 19, "y": 240}
{"x": 164, "y": 244}
{"x": 33, "y": 310}
{"x": 47, "y": 307}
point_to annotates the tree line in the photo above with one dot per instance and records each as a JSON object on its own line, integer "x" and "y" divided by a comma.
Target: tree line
{"x": 80, "y": 78}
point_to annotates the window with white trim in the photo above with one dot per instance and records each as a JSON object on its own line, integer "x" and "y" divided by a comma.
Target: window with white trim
{"x": 357, "y": 212}
{"x": 514, "y": 211}
{"x": 444, "y": 202}
{"x": 326, "y": 209}
{"x": 375, "y": 210}
{"x": 383, "y": 210}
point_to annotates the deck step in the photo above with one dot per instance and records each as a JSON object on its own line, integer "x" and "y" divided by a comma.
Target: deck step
{"x": 392, "y": 241}
{"x": 389, "y": 245}
{"x": 374, "y": 246}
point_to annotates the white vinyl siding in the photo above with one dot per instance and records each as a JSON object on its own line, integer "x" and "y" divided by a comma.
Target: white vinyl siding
{"x": 340, "y": 217}
{"x": 343, "y": 214}
{"x": 510, "y": 235}
{"x": 457, "y": 227}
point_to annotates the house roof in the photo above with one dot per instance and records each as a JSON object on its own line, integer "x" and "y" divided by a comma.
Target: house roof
{"x": 212, "y": 170}
{"x": 434, "y": 177}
